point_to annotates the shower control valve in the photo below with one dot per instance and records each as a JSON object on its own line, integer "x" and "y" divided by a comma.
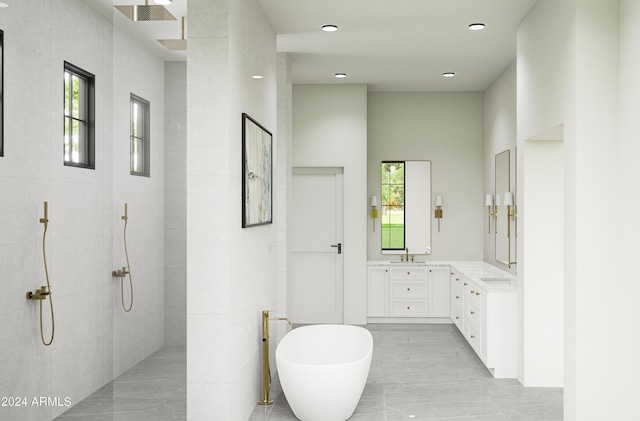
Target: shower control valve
{"x": 120, "y": 273}
{"x": 40, "y": 294}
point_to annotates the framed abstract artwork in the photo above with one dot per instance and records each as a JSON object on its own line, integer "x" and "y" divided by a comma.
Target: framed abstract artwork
{"x": 257, "y": 173}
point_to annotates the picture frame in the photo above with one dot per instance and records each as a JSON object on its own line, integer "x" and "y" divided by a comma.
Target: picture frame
{"x": 257, "y": 173}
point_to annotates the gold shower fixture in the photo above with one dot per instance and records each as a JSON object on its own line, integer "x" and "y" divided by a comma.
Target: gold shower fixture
{"x": 146, "y": 12}
{"x": 45, "y": 290}
{"x": 126, "y": 270}
{"x": 175, "y": 44}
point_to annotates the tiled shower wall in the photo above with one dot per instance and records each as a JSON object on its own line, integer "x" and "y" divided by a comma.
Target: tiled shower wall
{"x": 175, "y": 315}
{"x": 95, "y": 340}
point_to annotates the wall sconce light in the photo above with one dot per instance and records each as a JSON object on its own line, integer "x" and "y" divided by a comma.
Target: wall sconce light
{"x": 373, "y": 213}
{"x": 438, "y": 211}
{"x": 511, "y": 211}
{"x": 488, "y": 202}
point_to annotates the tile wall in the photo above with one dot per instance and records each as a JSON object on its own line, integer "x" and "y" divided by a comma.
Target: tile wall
{"x": 175, "y": 123}
{"x": 94, "y": 338}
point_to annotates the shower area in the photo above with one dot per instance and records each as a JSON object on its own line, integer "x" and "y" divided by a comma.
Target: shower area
{"x": 92, "y": 257}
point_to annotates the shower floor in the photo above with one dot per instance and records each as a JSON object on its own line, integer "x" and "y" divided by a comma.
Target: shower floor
{"x": 429, "y": 372}
{"x": 154, "y": 389}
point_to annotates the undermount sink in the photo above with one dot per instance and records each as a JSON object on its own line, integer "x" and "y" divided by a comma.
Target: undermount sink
{"x": 396, "y": 262}
{"x": 496, "y": 281}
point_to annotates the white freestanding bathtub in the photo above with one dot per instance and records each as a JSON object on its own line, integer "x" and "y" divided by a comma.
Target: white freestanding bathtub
{"x": 323, "y": 370}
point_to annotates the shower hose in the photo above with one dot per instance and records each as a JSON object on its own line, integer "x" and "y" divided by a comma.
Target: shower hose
{"x": 46, "y": 272}
{"x": 126, "y": 252}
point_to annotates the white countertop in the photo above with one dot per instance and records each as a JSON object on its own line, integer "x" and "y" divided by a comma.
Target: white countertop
{"x": 486, "y": 276}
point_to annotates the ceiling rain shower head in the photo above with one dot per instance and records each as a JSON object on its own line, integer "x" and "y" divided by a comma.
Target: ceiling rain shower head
{"x": 146, "y": 13}
{"x": 175, "y": 44}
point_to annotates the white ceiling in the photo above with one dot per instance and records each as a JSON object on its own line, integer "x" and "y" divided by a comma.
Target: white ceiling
{"x": 398, "y": 45}
{"x": 390, "y": 45}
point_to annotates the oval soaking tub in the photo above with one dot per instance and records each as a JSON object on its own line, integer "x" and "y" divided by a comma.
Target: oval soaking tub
{"x": 323, "y": 370}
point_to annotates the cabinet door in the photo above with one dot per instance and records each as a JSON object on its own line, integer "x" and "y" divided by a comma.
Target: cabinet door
{"x": 377, "y": 296}
{"x": 439, "y": 292}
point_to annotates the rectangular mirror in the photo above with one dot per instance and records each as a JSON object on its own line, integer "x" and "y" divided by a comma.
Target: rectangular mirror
{"x": 405, "y": 208}
{"x": 502, "y": 185}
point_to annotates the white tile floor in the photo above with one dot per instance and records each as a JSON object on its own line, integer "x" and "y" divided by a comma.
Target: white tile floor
{"x": 418, "y": 372}
{"x": 429, "y": 372}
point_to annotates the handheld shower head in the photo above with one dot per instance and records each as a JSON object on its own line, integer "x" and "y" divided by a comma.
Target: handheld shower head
{"x": 45, "y": 220}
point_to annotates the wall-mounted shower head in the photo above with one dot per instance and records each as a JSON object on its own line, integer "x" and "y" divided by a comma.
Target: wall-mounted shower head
{"x": 45, "y": 220}
{"x": 146, "y": 12}
{"x": 175, "y": 44}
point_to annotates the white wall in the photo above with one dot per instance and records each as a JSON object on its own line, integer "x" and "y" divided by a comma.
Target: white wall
{"x": 94, "y": 339}
{"x": 231, "y": 271}
{"x": 445, "y": 128}
{"x": 499, "y": 135}
{"x": 175, "y": 206}
{"x": 330, "y": 130}
{"x": 568, "y": 74}
{"x": 628, "y": 369}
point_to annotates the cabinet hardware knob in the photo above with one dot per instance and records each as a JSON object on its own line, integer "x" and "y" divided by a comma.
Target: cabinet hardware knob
{"x": 429, "y": 270}
{"x": 465, "y": 284}
{"x": 408, "y": 273}
{"x": 473, "y": 292}
{"x": 457, "y": 317}
{"x": 408, "y": 308}
{"x": 477, "y": 293}
{"x": 408, "y": 289}
{"x": 473, "y": 312}
{"x": 472, "y": 336}
{"x": 386, "y": 270}
{"x": 457, "y": 279}
{"x": 457, "y": 297}
{"x": 452, "y": 273}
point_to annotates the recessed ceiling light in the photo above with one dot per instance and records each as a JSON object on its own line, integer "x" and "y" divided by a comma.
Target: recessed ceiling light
{"x": 448, "y": 74}
{"x": 329, "y": 28}
{"x": 477, "y": 26}
{"x": 2, "y": 4}
{"x": 257, "y": 77}
{"x": 340, "y": 75}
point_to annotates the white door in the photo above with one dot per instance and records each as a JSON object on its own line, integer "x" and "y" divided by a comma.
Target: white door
{"x": 317, "y": 285}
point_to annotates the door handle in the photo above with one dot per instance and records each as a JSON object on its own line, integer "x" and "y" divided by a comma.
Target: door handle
{"x": 339, "y": 245}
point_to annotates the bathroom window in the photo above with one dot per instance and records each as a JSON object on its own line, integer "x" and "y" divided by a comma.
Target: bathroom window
{"x": 393, "y": 205}
{"x": 79, "y": 117}
{"x": 139, "y": 139}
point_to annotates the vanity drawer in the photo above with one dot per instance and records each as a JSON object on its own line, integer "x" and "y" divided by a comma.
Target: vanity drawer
{"x": 474, "y": 295}
{"x": 408, "y": 290}
{"x": 408, "y": 273}
{"x": 407, "y": 308}
{"x": 456, "y": 316}
{"x": 474, "y": 337}
{"x": 473, "y": 313}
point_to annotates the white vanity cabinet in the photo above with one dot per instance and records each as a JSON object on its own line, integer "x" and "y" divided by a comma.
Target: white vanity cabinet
{"x": 397, "y": 291}
{"x": 377, "y": 287}
{"x": 408, "y": 291}
{"x": 487, "y": 318}
{"x": 439, "y": 304}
